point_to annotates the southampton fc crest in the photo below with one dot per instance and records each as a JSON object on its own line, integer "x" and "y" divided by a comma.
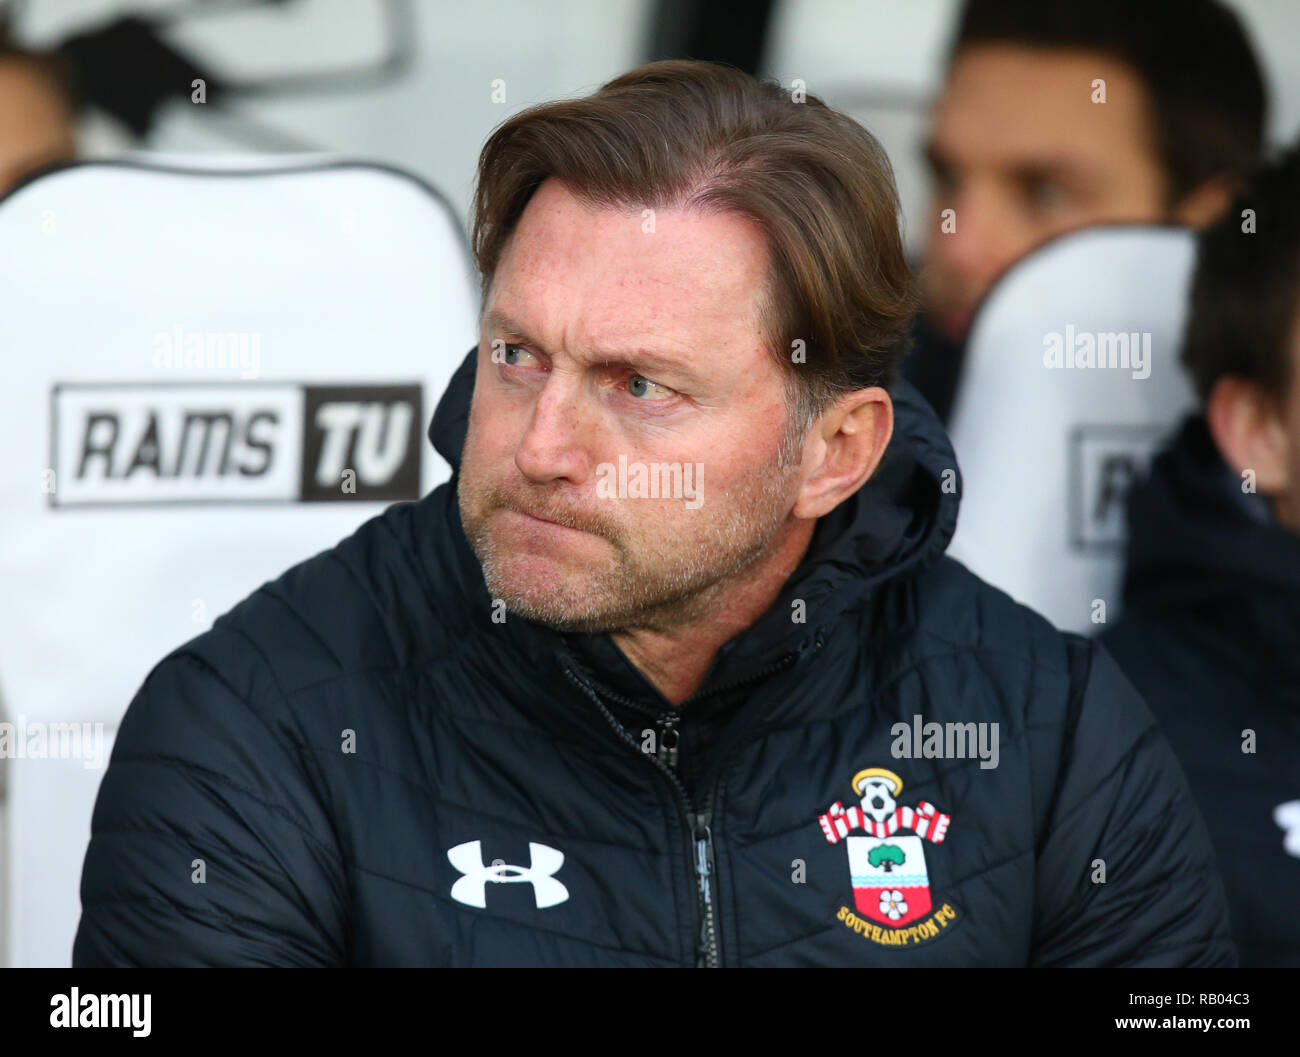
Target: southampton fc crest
{"x": 891, "y": 884}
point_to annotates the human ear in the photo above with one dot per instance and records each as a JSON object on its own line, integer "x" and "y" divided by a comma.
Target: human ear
{"x": 854, "y": 434}
{"x": 1247, "y": 425}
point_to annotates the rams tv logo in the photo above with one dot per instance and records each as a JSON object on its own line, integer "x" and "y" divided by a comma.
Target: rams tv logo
{"x": 125, "y": 444}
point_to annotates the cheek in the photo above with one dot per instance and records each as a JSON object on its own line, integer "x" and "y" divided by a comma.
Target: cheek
{"x": 1132, "y": 192}
{"x": 491, "y": 428}
{"x": 729, "y": 479}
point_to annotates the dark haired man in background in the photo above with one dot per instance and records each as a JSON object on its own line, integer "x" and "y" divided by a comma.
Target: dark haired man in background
{"x": 601, "y": 699}
{"x": 1211, "y": 626}
{"x": 1056, "y": 115}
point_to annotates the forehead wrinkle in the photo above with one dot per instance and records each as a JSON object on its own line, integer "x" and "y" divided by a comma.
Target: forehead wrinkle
{"x": 644, "y": 309}
{"x": 595, "y": 338}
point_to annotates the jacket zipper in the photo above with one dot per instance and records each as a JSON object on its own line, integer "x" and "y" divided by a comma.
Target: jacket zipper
{"x": 708, "y": 951}
{"x": 708, "y": 955}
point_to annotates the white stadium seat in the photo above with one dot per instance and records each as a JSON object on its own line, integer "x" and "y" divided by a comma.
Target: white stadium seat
{"x": 1047, "y": 438}
{"x": 212, "y": 373}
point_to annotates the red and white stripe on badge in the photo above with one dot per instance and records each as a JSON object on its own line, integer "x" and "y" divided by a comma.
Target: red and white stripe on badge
{"x": 925, "y": 820}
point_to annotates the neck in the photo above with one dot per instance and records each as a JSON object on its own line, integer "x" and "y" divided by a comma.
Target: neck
{"x": 676, "y": 658}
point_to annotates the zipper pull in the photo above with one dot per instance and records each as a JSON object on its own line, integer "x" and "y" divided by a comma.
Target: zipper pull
{"x": 704, "y": 857}
{"x": 669, "y": 739}
{"x": 707, "y": 956}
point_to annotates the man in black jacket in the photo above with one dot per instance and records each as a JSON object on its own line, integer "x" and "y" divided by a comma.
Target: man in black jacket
{"x": 602, "y": 699}
{"x": 1211, "y": 625}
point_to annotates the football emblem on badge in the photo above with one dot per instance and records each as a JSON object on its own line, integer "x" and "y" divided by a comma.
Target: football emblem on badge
{"x": 887, "y": 868}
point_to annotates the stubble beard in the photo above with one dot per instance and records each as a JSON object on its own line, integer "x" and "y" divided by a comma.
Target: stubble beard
{"x": 657, "y": 579}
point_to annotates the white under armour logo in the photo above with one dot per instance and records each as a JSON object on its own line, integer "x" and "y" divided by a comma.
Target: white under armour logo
{"x": 1287, "y": 816}
{"x": 472, "y": 888}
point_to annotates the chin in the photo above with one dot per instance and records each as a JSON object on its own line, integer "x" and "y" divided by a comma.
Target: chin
{"x": 539, "y": 590}
{"x": 546, "y": 610}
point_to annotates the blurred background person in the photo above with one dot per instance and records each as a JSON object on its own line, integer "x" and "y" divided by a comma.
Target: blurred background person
{"x": 1211, "y": 627}
{"x": 37, "y": 113}
{"x": 1056, "y": 115}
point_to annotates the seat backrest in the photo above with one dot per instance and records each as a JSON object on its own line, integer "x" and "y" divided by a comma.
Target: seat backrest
{"x": 213, "y": 374}
{"x": 1071, "y": 382}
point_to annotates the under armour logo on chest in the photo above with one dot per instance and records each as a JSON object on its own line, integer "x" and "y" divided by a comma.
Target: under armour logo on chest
{"x": 544, "y": 863}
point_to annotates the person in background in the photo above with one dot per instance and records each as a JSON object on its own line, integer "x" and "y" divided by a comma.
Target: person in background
{"x": 37, "y": 114}
{"x": 1211, "y": 626}
{"x": 1057, "y": 115}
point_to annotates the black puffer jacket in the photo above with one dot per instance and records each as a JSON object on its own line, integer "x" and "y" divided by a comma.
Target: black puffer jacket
{"x": 374, "y": 772}
{"x": 1211, "y": 636}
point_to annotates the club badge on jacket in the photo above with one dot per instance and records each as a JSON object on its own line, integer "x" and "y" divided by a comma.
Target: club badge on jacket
{"x": 891, "y": 883}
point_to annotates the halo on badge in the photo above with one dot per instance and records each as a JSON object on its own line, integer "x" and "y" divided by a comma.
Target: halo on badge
{"x": 877, "y": 772}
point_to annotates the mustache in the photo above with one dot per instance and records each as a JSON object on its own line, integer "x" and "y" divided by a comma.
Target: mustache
{"x": 553, "y": 508}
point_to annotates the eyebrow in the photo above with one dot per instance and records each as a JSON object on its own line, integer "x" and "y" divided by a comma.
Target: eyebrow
{"x": 1068, "y": 170}
{"x": 1054, "y": 165}
{"x": 635, "y": 358}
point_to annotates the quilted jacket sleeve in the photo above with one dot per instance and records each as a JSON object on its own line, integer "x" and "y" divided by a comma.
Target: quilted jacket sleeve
{"x": 208, "y": 845}
{"x": 1122, "y": 806}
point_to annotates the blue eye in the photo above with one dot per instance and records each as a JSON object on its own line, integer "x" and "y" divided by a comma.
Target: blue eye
{"x": 640, "y": 386}
{"x": 512, "y": 355}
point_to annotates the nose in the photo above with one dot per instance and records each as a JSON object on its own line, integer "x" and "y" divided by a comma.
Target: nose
{"x": 554, "y": 446}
